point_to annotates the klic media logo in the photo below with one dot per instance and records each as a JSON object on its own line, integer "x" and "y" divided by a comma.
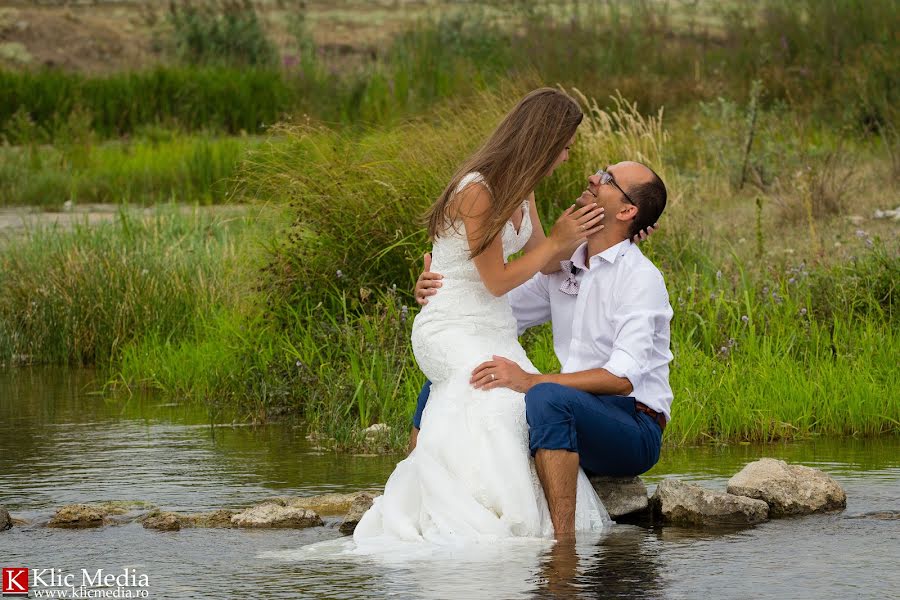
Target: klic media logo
{"x": 15, "y": 581}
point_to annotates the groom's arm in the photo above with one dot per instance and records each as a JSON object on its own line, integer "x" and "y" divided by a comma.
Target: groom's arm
{"x": 596, "y": 381}
{"x": 641, "y": 323}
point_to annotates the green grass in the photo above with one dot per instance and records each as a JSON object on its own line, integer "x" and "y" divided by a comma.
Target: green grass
{"x": 81, "y": 296}
{"x": 158, "y": 167}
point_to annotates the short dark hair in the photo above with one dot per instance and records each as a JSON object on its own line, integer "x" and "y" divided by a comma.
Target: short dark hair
{"x": 650, "y": 199}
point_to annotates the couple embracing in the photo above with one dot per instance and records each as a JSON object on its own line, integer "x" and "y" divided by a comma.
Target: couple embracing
{"x": 500, "y": 450}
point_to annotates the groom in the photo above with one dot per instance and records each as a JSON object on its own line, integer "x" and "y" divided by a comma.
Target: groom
{"x": 607, "y": 408}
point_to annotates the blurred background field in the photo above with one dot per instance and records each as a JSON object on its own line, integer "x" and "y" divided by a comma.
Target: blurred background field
{"x": 330, "y": 127}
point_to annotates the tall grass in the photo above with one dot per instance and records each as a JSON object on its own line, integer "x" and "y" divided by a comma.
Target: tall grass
{"x": 154, "y": 168}
{"x": 765, "y": 349}
{"x": 80, "y": 296}
{"x": 220, "y": 98}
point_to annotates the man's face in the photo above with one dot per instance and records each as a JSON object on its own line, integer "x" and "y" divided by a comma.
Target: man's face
{"x": 626, "y": 174}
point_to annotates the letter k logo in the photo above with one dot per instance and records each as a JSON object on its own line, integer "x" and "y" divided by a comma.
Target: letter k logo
{"x": 15, "y": 581}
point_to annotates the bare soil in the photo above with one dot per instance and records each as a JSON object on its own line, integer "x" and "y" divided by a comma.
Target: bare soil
{"x": 101, "y": 36}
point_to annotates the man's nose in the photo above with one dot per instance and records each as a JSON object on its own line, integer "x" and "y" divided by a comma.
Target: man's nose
{"x": 594, "y": 180}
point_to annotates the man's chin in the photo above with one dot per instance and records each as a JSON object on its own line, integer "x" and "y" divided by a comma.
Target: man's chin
{"x": 585, "y": 199}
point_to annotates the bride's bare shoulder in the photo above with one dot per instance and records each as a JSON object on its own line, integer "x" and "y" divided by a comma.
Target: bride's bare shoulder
{"x": 473, "y": 200}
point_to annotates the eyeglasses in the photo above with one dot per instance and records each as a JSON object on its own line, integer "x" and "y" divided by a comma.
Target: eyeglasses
{"x": 606, "y": 178}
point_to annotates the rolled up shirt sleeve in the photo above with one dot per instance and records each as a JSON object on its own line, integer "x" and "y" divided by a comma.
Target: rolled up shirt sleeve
{"x": 641, "y": 319}
{"x": 530, "y": 302}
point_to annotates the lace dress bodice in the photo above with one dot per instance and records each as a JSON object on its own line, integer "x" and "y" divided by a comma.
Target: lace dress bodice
{"x": 463, "y": 296}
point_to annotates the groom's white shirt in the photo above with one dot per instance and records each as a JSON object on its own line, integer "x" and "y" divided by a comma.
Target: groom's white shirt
{"x": 619, "y": 321}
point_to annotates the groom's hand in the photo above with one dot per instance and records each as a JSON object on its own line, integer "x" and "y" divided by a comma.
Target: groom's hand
{"x": 502, "y": 372}
{"x": 427, "y": 283}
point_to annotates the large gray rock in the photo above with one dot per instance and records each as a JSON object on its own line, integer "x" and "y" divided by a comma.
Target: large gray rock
{"x": 687, "y": 504}
{"x": 275, "y": 515}
{"x": 788, "y": 489}
{"x": 78, "y": 516}
{"x": 361, "y": 504}
{"x": 6, "y": 521}
{"x": 621, "y": 495}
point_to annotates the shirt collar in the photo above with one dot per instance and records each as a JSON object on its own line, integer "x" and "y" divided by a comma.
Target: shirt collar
{"x": 609, "y": 255}
{"x": 579, "y": 256}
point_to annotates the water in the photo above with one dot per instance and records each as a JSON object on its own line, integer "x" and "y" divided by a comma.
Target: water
{"x": 61, "y": 443}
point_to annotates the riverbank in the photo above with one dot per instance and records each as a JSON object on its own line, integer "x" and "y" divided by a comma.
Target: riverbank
{"x": 774, "y": 337}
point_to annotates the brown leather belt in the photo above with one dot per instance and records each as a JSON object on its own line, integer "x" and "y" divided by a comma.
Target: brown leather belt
{"x": 657, "y": 416}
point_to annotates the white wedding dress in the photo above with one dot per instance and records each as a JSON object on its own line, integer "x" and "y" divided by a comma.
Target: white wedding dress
{"x": 471, "y": 476}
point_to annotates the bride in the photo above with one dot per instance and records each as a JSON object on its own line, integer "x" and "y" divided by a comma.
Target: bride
{"x": 470, "y": 476}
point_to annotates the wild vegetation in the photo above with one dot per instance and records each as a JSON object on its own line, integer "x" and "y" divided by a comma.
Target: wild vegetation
{"x": 773, "y": 125}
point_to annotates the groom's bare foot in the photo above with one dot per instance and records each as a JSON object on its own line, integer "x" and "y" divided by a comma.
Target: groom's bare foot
{"x": 558, "y": 472}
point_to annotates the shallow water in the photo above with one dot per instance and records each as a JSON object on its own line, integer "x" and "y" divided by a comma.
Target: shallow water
{"x": 62, "y": 443}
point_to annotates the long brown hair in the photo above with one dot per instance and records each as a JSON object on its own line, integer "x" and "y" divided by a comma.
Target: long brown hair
{"x": 513, "y": 160}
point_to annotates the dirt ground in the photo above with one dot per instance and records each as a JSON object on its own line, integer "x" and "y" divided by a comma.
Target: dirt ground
{"x": 97, "y": 36}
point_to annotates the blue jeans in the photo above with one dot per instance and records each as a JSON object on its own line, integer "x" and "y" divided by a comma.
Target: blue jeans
{"x": 610, "y": 436}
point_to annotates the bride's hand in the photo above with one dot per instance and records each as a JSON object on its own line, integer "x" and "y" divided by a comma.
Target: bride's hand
{"x": 427, "y": 283}
{"x": 643, "y": 234}
{"x": 577, "y": 223}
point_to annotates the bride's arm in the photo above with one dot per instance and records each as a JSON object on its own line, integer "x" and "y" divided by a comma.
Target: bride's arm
{"x": 475, "y": 208}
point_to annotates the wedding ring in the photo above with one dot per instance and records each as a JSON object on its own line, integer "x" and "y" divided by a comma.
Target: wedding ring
{"x": 582, "y": 227}
{"x": 493, "y": 377}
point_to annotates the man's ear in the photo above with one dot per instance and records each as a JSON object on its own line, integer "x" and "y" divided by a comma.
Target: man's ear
{"x": 628, "y": 213}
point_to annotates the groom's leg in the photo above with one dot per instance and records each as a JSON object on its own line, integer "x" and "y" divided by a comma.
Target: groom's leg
{"x": 607, "y": 434}
{"x": 558, "y": 472}
{"x": 417, "y": 417}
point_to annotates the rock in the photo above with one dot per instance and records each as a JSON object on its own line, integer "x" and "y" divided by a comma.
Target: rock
{"x": 888, "y": 214}
{"x": 621, "y": 495}
{"x": 172, "y": 521}
{"x": 879, "y": 515}
{"x": 376, "y": 430}
{"x": 323, "y": 504}
{"x": 6, "y": 521}
{"x": 788, "y": 489}
{"x": 359, "y": 507}
{"x": 217, "y": 518}
{"x": 275, "y": 515}
{"x": 77, "y": 516}
{"x": 166, "y": 521}
{"x": 687, "y": 504}
{"x": 15, "y": 52}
